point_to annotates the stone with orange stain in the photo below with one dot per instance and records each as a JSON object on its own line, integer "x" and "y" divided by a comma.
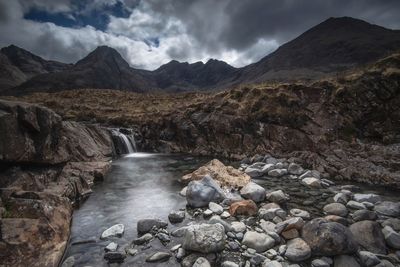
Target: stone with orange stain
{"x": 244, "y": 207}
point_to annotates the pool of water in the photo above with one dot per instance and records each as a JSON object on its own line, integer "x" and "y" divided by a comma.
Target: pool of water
{"x": 138, "y": 186}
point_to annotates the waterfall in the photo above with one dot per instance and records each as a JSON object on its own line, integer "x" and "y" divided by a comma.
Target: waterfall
{"x": 123, "y": 143}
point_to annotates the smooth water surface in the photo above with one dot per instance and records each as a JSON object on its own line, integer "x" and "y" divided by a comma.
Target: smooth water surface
{"x": 138, "y": 186}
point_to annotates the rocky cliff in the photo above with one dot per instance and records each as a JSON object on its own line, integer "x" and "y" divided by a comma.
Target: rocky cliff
{"x": 46, "y": 165}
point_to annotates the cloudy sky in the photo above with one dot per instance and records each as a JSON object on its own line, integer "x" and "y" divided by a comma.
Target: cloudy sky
{"x": 149, "y": 33}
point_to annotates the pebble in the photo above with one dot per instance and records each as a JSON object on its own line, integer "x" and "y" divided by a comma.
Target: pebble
{"x": 158, "y": 257}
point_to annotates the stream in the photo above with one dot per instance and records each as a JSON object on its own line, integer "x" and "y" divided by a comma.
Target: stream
{"x": 145, "y": 185}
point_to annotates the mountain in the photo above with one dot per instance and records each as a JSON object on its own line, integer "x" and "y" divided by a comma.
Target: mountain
{"x": 18, "y": 65}
{"x": 176, "y": 76}
{"x": 330, "y": 47}
{"x": 333, "y": 45}
{"x": 102, "y": 68}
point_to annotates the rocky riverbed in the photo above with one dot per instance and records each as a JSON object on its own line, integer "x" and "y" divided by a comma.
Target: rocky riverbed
{"x": 267, "y": 212}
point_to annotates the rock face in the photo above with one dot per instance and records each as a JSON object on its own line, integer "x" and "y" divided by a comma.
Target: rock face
{"x": 224, "y": 175}
{"x": 201, "y": 193}
{"x": 69, "y": 157}
{"x": 205, "y": 238}
{"x": 368, "y": 235}
{"x": 328, "y": 238}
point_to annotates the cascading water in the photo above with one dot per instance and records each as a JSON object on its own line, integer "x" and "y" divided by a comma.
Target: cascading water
{"x": 123, "y": 144}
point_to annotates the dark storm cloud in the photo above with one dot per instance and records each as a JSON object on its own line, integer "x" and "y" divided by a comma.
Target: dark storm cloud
{"x": 152, "y": 32}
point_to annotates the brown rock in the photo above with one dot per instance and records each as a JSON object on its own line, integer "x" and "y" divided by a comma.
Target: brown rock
{"x": 290, "y": 234}
{"x": 224, "y": 175}
{"x": 244, "y": 207}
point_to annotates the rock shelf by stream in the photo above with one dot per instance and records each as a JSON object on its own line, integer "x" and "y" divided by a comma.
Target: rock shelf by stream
{"x": 285, "y": 215}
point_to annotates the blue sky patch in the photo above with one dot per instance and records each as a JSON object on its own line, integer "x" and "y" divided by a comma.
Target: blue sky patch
{"x": 80, "y": 16}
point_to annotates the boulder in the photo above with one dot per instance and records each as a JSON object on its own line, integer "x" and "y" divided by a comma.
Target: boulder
{"x": 328, "y": 238}
{"x": 362, "y": 215}
{"x": 145, "y": 225}
{"x": 205, "y": 238}
{"x": 244, "y": 207}
{"x": 223, "y": 175}
{"x": 215, "y": 208}
{"x": 292, "y": 223}
{"x": 341, "y": 198}
{"x": 297, "y": 250}
{"x": 345, "y": 261}
{"x": 300, "y": 213}
{"x": 253, "y": 191}
{"x": 311, "y": 182}
{"x": 368, "y": 234}
{"x": 176, "y": 216}
{"x": 259, "y": 241}
{"x": 355, "y": 205}
{"x": 392, "y": 238}
{"x": 201, "y": 262}
{"x": 387, "y": 208}
{"x": 115, "y": 230}
{"x": 337, "y": 209}
{"x": 371, "y": 198}
{"x": 201, "y": 193}
{"x": 368, "y": 259}
{"x": 238, "y": 227}
{"x": 277, "y": 172}
{"x": 277, "y": 196}
{"x": 295, "y": 169}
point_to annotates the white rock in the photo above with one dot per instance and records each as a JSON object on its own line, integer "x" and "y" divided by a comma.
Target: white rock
{"x": 111, "y": 247}
{"x": 215, "y": 208}
{"x": 115, "y": 230}
{"x": 238, "y": 227}
{"x": 311, "y": 182}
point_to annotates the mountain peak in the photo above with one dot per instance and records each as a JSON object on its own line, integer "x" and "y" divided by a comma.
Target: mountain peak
{"x": 104, "y": 55}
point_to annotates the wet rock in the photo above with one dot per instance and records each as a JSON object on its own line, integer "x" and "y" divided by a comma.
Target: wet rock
{"x": 223, "y": 175}
{"x": 111, "y": 247}
{"x": 297, "y": 250}
{"x": 372, "y": 198}
{"x": 319, "y": 263}
{"x": 355, "y": 205}
{"x": 201, "y": 262}
{"x": 115, "y": 230}
{"x": 164, "y": 238}
{"x": 328, "y": 238}
{"x": 362, "y": 215}
{"x": 115, "y": 257}
{"x": 215, "y": 208}
{"x": 392, "y": 238}
{"x": 392, "y": 222}
{"x": 143, "y": 239}
{"x": 131, "y": 251}
{"x": 204, "y": 191}
{"x": 337, "y": 209}
{"x": 300, "y": 213}
{"x": 176, "y": 216}
{"x": 158, "y": 257}
{"x": 368, "y": 235}
{"x": 244, "y": 207}
{"x": 387, "y": 208}
{"x": 311, "y": 182}
{"x": 253, "y": 191}
{"x": 146, "y": 225}
{"x": 277, "y": 172}
{"x": 69, "y": 262}
{"x": 205, "y": 238}
{"x": 277, "y": 196}
{"x": 295, "y": 169}
{"x": 345, "y": 261}
{"x": 259, "y": 241}
{"x": 254, "y": 172}
{"x": 368, "y": 259}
